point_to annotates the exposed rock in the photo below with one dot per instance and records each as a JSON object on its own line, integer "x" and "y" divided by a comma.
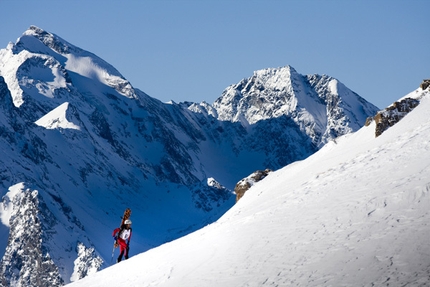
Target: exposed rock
{"x": 243, "y": 185}
{"x": 425, "y": 84}
{"x": 369, "y": 120}
{"x": 393, "y": 114}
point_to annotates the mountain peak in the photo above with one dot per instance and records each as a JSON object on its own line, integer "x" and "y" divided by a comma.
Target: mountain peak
{"x": 43, "y": 65}
{"x": 286, "y": 70}
{"x": 307, "y": 100}
{"x": 276, "y": 78}
{"x": 37, "y": 40}
{"x": 35, "y": 30}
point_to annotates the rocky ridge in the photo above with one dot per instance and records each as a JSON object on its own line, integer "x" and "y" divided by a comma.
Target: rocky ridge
{"x": 391, "y": 115}
{"x": 246, "y": 183}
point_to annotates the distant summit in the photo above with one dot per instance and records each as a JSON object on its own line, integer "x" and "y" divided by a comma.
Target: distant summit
{"x": 320, "y": 106}
{"x": 79, "y": 144}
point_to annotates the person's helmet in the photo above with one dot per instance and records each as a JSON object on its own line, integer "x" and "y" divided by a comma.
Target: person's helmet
{"x": 128, "y": 221}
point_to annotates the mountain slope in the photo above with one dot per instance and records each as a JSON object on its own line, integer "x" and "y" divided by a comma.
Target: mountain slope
{"x": 281, "y": 116}
{"x": 80, "y": 144}
{"x": 356, "y": 213}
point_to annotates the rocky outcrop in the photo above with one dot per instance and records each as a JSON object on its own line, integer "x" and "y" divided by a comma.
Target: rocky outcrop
{"x": 243, "y": 185}
{"x": 425, "y": 84}
{"x": 393, "y": 114}
{"x": 26, "y": 261}
{"x": 87, "y": 262}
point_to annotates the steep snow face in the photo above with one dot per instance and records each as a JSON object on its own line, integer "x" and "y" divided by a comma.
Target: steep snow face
{"x": 268, "y": 93}
{"x": 356, "y": 213}
{"x": 42, "y": 64}
{"x": 57, "y": 118}
{"x": 75, "y": 60}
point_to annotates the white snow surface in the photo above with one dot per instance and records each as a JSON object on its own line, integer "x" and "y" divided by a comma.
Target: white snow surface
{"x": 50, "y": 77}
{"x": 356, "y": 213}
{"x": 6, "y": 207}
{"x": 57, "y": 119}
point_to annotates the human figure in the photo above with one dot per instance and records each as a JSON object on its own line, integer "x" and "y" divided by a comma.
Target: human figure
{"x": 123, "y": 236}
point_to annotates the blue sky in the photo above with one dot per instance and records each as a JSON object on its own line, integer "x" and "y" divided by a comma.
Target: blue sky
{"x": 192, "y": 50}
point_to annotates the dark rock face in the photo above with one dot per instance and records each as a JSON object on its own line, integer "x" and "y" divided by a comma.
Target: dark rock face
{"x": 393, "y": 114}
{"x": 425, "y": 84}
{"x": 243, "y": 185}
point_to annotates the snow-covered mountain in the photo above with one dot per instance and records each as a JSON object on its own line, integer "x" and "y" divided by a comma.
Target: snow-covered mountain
{"x": 356, "y": 213}
{"x": 79, "y": 144}
{"x": 320, "y": 106}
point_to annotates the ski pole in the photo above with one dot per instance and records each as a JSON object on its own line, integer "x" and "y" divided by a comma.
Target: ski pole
{"x": 113, "y": 251}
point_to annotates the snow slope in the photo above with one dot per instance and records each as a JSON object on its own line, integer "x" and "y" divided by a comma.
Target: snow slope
{"x": 356, "y": 213}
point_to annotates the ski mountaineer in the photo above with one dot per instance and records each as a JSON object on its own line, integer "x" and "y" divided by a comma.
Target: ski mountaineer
{"x": 122, "y": 238}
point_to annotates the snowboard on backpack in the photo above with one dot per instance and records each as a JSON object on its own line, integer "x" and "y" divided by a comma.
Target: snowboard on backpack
{"x": 126, "y": 215}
